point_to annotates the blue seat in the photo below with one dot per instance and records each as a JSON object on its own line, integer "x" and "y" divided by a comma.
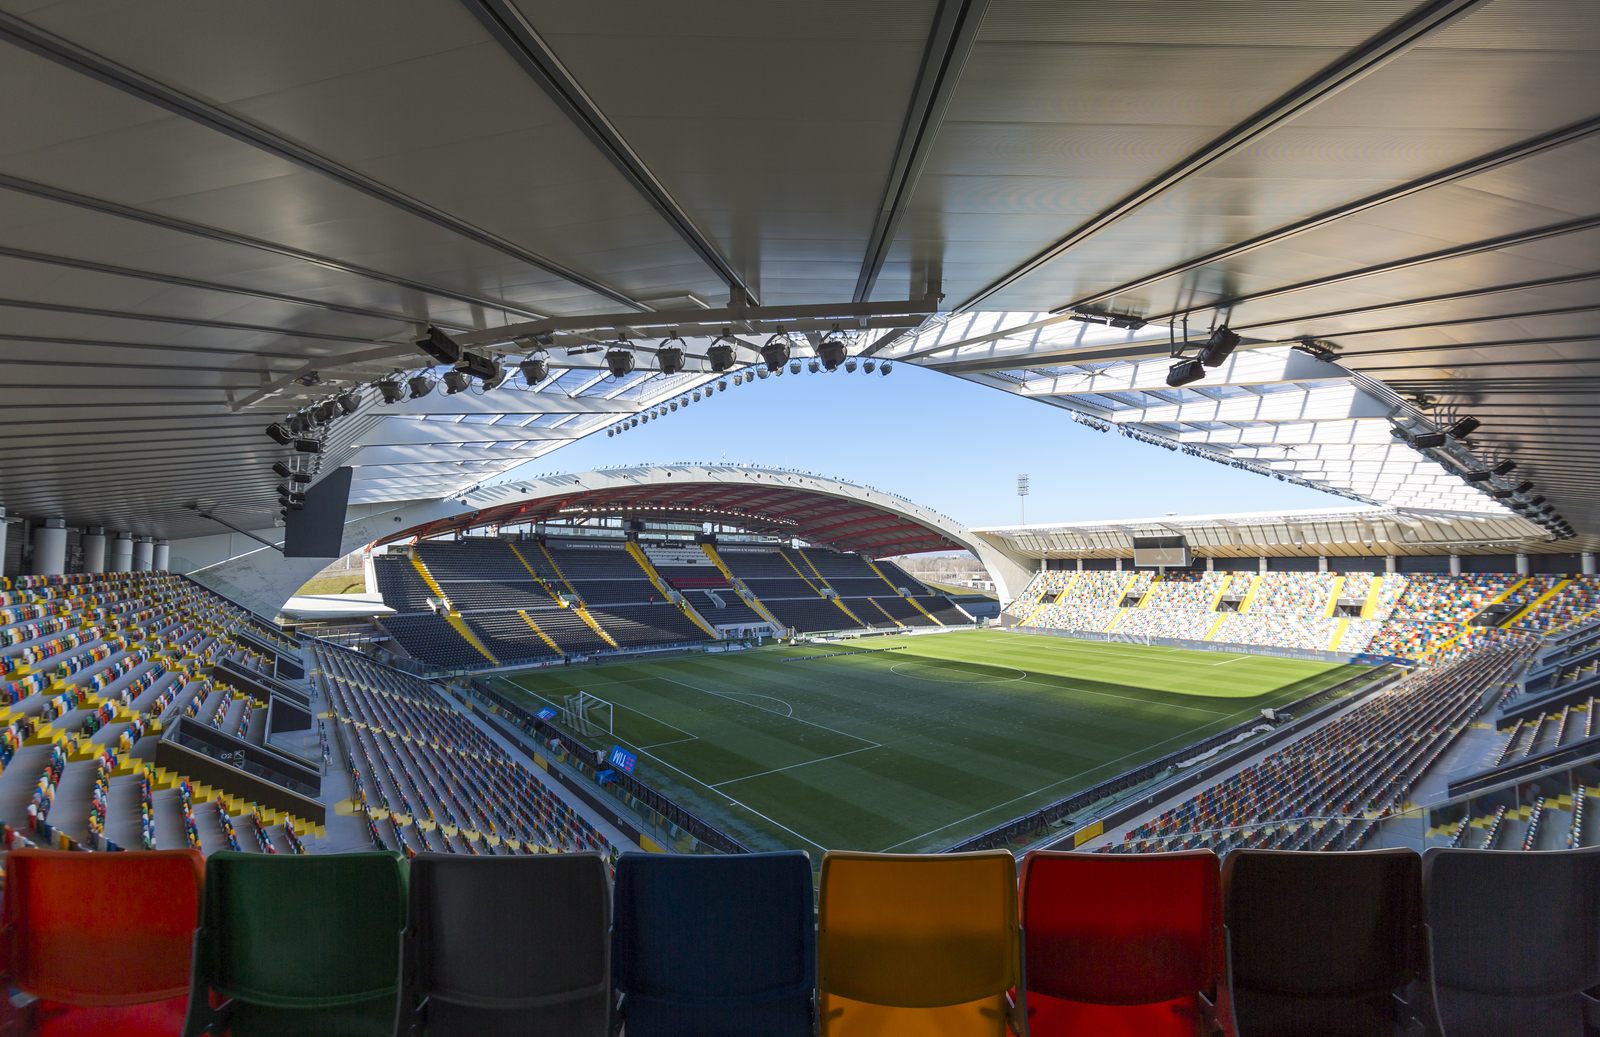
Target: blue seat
{"x": 716, "y": 946}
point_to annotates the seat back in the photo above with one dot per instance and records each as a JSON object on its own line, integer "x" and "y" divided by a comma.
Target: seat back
{"x": 1109, "y": 936}
{"x": 302, "y": 934}
{"x": 100, "y": 929}
{"x": 917, "y": 943}
{"x": 511, "y": 944}
{"x": 718, "y": 946}
{"x": 1321, "y": 941}
{"x": 1494, "y": 972}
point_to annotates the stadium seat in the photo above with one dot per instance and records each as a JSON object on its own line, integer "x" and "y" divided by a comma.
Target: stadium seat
{"x": 1322, "y": 944}
{"x": 294, "y": 946}
{"x": 1528, "y": 971}
{"x": 509, "y": 945}
{"x": 102, "y": 940}
{"x": 913, "y": 945}
{"x": 1121, "y": 946}
{"x": 716, "y": 946}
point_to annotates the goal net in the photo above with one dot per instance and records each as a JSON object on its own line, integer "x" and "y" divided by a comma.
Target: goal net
{"x": 587, "y": 714}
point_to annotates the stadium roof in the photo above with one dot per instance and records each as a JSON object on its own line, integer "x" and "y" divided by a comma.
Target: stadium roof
{"x": 217, "y": 213}
{"x": 1335, "y": 532}
{"x": 766, "y": 501}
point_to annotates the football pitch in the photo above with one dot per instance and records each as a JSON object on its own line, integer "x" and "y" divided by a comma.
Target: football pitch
{"x": 911, "y": 743}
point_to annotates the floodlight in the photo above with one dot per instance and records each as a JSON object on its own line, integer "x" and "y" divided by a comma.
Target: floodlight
{"x": 440, "y": 346}
{"x": 813, "y": 367}
{"x": 1523, "y": 487}
{"x": 1428, "y": 440}
{"x": 349, "y": 401}
{"x": 885, "y": 368}
{"x": 775, "y": 352}
{"x": 420, "y": 386}
{"x": 280, "y": 433}
{"x": 484, "y": 368}
{"x": 720, "y": 354}
{"x": 669, "y": 357}
{"x": 1464, "y": 428}
{"x": 833, "y": 349}
{"x": 1504, "y": 468}
{"x": 1218, "y": 347}
{"x": 1185, "y": 372}
{"x": 308, "y": 446}
{"x": 392, "y": 390}
{"x": 455, "y": 381}
{"x": 536, "y": 369}
{"x": 619, "y": 361}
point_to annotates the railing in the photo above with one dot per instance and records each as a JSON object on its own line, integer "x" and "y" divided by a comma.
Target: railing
{"x": 670, "y": 814}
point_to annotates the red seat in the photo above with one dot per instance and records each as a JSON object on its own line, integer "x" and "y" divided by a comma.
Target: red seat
{"x": 1121, "y": 945}
{"x": 103, "y": 940}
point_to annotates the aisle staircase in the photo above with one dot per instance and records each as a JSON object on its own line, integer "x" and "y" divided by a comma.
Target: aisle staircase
{"x": 690, "y": 612}
{"x": 834, "y": 597}
{"x": 451, "y": 616}
{"x": 1370, "y": 609}
{"x": 1537, "y": 603}
{"x": 546, "y": 638}
{"x": 540, "y": 580}
{"x": 1250, "y": 595}
{"x": 1333, "y": 600}
{"x": 748, "y": 597}
{"x": 594, "y": 624}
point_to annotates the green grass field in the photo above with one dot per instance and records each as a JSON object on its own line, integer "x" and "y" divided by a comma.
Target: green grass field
{"x": 913, "y": 749}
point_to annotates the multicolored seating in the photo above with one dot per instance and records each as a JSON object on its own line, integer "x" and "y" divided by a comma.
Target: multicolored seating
{"x": 1306, "y": 944}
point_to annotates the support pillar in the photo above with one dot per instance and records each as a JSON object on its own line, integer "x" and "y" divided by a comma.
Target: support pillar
{"x": 121, "y": 554}
{"x": 50, "y": 548}
{"x": 1390, "y": 565}
{"x": 161, "y": 556}
{"x": 142, "y": 551}
{"x": 1211, "y": 564}
{"x": 94, "y": 550}
{"x": 1522, "y": 565}
{"x": 1261, "y": 565}
{"x": 1322, "y": 563}
{"x": 1587, "y": 558}
{"x": 1455, "y": 565}
{"x": 2, "y": 541}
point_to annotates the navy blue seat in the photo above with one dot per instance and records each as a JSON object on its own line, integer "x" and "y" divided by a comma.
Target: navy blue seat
{"x": 716, "y": 946}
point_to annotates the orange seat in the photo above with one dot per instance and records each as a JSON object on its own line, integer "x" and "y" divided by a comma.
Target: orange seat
{"x": 917, "y": 945}
{"x": 103, "y": 940}
{"x": 1122, "y": 945}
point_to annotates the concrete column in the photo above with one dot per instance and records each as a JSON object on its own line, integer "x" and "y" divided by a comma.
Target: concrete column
{"x": 50, "y": 547}
{"x": 160, "y": 556}
{"x": 1080, "y": 564}
{"x": 2, "y": 541}
{"x": 1119, "y": 565}
{"x": 1587, "y": 557}
{"x": 142, "y": 551}
{"x": 94, "y": 550}
{"x": 1322, "y": 563}
{"x": 121, "y": 554}
{"x": 1390, "y": 565}
{"x": 1211, "y": 564}
{"x": 1261, "y": 564}
{"x": 1455, "y": 565}
{"x": 1522, "y": 565}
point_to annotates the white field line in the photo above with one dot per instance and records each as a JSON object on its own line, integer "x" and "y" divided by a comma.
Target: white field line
{"x": 747, "y": 705}
{"x": 1054, "y": 784}
{"x": 806, "y": 763}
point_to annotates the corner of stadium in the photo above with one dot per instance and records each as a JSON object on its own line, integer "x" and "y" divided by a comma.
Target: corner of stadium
{"x": 322, "y": 712}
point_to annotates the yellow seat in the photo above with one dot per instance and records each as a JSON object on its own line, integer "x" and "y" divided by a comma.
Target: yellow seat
{"x": 911, "y": 945}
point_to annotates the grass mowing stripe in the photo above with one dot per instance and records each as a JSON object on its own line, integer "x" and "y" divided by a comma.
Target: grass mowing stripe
{"x": 954, "y": 750}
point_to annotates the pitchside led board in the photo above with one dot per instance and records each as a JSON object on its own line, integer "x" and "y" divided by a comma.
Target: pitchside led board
{"x": 622, "y": 759}
{"x": 1170, "y": 552}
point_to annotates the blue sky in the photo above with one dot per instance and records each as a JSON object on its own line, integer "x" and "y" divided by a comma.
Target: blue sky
{"x": 942, "y": 442}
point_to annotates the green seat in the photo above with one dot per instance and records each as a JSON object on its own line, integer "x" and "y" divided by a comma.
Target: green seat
{"x": 299, "y": 946}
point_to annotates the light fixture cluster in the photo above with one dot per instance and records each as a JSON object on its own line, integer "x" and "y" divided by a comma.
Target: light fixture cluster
{"x": 777, "y": 357}
{"x": 1498, "y": 481}
{"x": 1216, "y": 349}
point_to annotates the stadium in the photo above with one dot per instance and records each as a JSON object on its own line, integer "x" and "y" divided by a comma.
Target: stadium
{"x": 366, "y": 671}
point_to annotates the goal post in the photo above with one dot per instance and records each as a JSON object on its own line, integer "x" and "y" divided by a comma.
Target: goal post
{"x": 588, "y": 715}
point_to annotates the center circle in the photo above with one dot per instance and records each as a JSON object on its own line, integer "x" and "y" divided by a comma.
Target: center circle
{"x": 967, "y": 676}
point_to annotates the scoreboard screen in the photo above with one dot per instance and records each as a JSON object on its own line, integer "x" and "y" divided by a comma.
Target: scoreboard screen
{"x": 1167, "y": 552}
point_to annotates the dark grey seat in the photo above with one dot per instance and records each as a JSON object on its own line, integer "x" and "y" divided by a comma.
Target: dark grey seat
{"x": 510, "y": 945}
{"x": 1322, "y": 944}
{"x": 1514, "y": 941}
